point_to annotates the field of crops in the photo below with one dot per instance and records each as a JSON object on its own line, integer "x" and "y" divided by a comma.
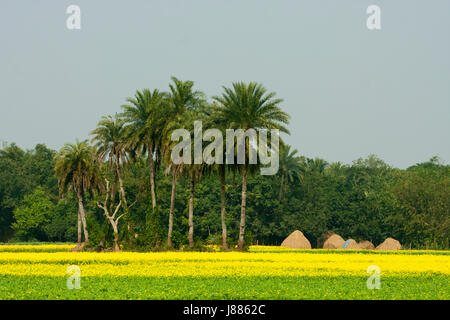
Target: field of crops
{"x": 40, "y": 272}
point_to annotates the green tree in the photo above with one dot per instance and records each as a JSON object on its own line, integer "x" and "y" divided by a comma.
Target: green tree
{"x": 249, "y": 106}
{"x": 110, "y": 143}
{"x": 76, "y": 170}
{"x": 290, "y": 167}
{"x": 63, "y": 226}
{"x": 31, "y": 216}
{"x": 146, "y": 118}
{"x": 13, "y": 186}
{"x": 188, "y": 106}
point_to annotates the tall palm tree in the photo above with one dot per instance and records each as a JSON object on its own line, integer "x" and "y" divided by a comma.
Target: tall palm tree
{"x": 248, "y": 106}
{"x": 175, "y": 170}
{"x": 146, "y": 117}
{"x": 76, "y": 170}
{"x": 187, "y": 106}
{"x": 183, "y": 97}
{"x": 290, "y": 167}
{"x": 110, "y": 143}
{"x": 193, "y": 171}
{"x": 221, "y": 168}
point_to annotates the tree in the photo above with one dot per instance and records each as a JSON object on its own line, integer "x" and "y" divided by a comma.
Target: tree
{"x": 63, "y": 226}
{"x": 109, "y": 137}
{"x": 175, "y": 170}
{"x": 13, "y": 186}
{"x": 31, "y": 216}
{"x": 146, "y": 117}
{"x": 249, "y": 106}
{"x": 187, "y": 106}
{"x": 290, "y": 167}
{"x": 77, "y": 171}
{"x": 192, "y": 170}
{"x": 218, "y": 122}
{"x": 112, "y": 217}
{"x": 183, "y": 97}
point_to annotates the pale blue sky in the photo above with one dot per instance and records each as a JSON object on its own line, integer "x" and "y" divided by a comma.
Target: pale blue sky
{"x": 350, "y": 91}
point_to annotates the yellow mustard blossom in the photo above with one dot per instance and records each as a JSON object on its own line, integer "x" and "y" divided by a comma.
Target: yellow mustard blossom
{"x": 258, "y": 262}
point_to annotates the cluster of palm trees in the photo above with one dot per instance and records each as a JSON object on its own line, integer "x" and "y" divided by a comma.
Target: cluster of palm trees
{"x": 144, "y": 130}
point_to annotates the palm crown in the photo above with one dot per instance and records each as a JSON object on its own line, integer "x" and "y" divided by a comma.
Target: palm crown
{"x": 109, "y": 138}
{"x": 250, "y": 106}
{"x": 75, "y": 167}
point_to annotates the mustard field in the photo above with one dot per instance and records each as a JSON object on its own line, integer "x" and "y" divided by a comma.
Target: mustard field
{"x": 41, "y": 272}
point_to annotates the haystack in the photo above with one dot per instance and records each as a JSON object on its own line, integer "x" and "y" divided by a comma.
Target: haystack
{"x": 321, "y": 240}
{"x": 366, "y": 245}
{"x": 350, "y": 244}
{"x": 296, "y": 240}
{"x": 334, "y": 242}
{"x": 389, "y": 244}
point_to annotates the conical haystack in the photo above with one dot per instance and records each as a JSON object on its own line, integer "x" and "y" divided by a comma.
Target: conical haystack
{"x": 366, "y": 245}
{"x": 389, "y": 244}
{"x": 296, "y": 240}
{"x": 351, "y": 244}
{"x": 321, "y": 240}
{"x": 334, "y": 242}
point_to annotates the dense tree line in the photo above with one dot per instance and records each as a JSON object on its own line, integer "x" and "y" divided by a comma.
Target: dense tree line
{"x": 123, "y": 189}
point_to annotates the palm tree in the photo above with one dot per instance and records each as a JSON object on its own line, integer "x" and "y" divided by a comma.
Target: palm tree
{"x": 183, "y": 97}
{"x": 290, "y": 167}
{"x": 187, "y": 106}
{"x": 175, "y": 170}
{"x": 221, "y": 169}
{"x": 76, "y": 170}
{"x": 248, "y": 106}
{"x": 109, "y": 137}
{"x": 316, "y": 165}
{"x": 146, "y": 116}
{"x": 193, "y": 171}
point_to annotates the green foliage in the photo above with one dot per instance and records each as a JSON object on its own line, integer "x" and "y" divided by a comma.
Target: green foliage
{"x": 32, "y": 214}
{"x": 152, "y": 236}
{"x": 63, "y": 223}
{"x": 429, "y": 287}
{"x": 20, "y": 173}
{"x": 367, "y": 200}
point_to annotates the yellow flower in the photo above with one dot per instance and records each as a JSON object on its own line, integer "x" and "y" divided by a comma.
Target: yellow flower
{"x": 261, "y": 261}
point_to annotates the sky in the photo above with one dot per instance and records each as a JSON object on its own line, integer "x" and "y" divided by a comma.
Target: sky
{"x": 350, "y": 91}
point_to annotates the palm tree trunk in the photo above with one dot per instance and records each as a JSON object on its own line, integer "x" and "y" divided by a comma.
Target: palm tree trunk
{"x": 223, "y": 206}
{"x": 79, "y": 228}
{"x": 281, "y": 186}
{"x": 172, "y": 206}
{"x": 82, "y": 216}
{"x": 191, "y": 211}
{"x": 152, "y": 178}
{"x": 243, "y": 207}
